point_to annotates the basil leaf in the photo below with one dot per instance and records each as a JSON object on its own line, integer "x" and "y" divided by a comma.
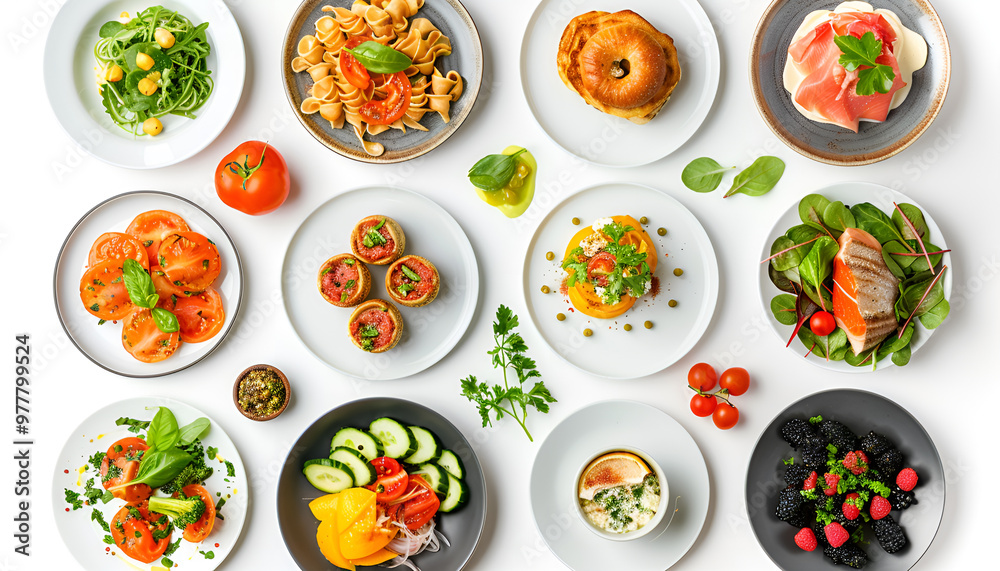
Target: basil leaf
{"x": 493, "y": 172}
{"x": 139, "y": 285}
{"x": 380, "y": 59}
{"x": 193, "y": 431}
{"x": 165, "y": 321}
{"x": 162, "y": 432}
{"x": 410, "y": 273}
{"x": 161, "y": 466}
{"x": 759, "y": 178}
{"x": 703, "y": 174}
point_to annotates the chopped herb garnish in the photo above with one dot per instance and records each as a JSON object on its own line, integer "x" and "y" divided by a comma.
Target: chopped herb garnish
{"x": 410, "y": 273}
{"x": 134, "y": 426}
{"x": 102, "y": 321}
{"x": 349, "y": 261}
{"x": 404, "y": 289}
{"x": 73, "y": 499}
{"x": 97, "y": 516}
{"x": 204, "y": 264}
{"x": 325, "y": 271}
{"x": 147, "y": 243}
{"x": 95, "y": 307}
{"x": 230, "y": 469}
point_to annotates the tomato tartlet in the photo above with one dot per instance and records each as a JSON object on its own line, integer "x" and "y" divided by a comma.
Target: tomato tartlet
{"x": 412, "y": 281}
{"x": 377, "y": 240}
{"x": 344, "y": 280}
{"x": 375, "y": 326}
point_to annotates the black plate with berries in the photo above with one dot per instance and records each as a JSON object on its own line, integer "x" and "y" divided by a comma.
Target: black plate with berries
{"x": 850, "y": 467}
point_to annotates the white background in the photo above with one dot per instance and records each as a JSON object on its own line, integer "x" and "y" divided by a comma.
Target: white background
{"x": 49, "y": 183}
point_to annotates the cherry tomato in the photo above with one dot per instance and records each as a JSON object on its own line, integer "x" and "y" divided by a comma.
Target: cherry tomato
{"x": 600, "y": 267}
{"x": 189, "y": 260}
{"x": 200, "y": 316}
{"x": 117, "y": 246}
{"x": 122, "y": 461}
{"x": 392, "y": 480}
{"x": 144, "y": 340}
{"x": 132, "y": 531}
{"x": 736, "y": 380}
{"x": 103, "y": 293}
{"x": 703, "y": 405}
{"x": 397, "y": 101}
{"x": 351, "y": 68}
{"x": 726, "y": 416}
{"x": 822, "y": 323}
{"x": 702, "y": 376}
{"x": 199, "y": 530}
{"x": 150, "y": 228}
{"x": 253, "y": 178}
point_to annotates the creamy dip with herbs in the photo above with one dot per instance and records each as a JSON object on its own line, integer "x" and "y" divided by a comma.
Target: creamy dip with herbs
{"x": 621, "y": 509}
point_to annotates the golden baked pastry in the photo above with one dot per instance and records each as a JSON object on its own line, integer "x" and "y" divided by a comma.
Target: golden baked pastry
{"x": 619, "y": 63}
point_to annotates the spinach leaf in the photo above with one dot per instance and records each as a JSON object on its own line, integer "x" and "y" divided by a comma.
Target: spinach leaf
{"x": 703, "y": 174}
{"x": 811, "y": 209}
{"x": 872, "y": 220}
{"x": 161, "y": 61}
{"x": 784, "y": 281}
{"x": 838, "y": 217}
{"x": 378, "y": 58}
{"x": 759, "y": 178}
{"x": 902, "y": 357}
{"x": 894, "y": 342}
{"x": 786, "y": 254}
{"x": 828, "y": 347}
{"x": 916, "y": 218}
{"x": 866, "y": 358}
{"x": 894, "y": 247}
{"x": 919, "y": 264}
{"x": 934, "y": 316}
{"x": 192, "y": 431}
{"x": 891, "y": 264}
{"x": 109, "y": 29}
{"x": 783, "y": 308}
{"x": 162, "y": 433}
{"x": 818, "y": 263}
{"x": 493, "y": 172}
{"x": 913, "y": 294}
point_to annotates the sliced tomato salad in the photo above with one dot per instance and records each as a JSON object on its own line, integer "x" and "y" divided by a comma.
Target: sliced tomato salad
{"x": 144, "y": 340}
{"x": 120, "y": 465}
{"x": 190, "y": 260}
{"x": 103, "y": 293}
{"x": 133, "y": 529}
{"x": 150, "y": 228}
{"x": 117, "y": 246}
{"x": 200, "y": 316}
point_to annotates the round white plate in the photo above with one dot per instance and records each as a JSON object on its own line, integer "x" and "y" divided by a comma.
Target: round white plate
{"x": 70, "y": 83}
{"x": 84, "y": 537}
{"x": 429, "y": 332}
{"x": 849, "y": 193}
{"x": 601, "y": 138}
{"x": 675, "y": 329}
{"x": 102, "y": 344}
{"x": 602, "y": 426}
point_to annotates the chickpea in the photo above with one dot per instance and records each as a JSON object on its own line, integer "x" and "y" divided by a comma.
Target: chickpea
{"x": 152, "y": 126}
{"x": 164, "y": 38}
{"x": 144, "y": 61}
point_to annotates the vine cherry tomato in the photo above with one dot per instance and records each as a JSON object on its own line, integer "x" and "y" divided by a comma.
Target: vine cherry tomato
{"x": 253, "y": 178}
{"x": 822, "y": 323}
{"x": 736, "y": 380}
{"x": 726, "y": 416}
{"x": 702, "y": 376}
{"x": 703, "y": 405}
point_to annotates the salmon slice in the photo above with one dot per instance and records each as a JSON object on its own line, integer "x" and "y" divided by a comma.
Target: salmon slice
{"x": 864, "y": 291}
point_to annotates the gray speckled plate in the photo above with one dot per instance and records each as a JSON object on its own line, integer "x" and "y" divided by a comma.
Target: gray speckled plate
{"x": 829, "y": 143}
{"x": 861, "y": 411}
{"x": 463, "y": 527}
{"x": 454, "y": 21}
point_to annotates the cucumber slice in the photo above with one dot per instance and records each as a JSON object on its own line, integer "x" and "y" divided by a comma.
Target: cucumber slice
{"x": 397, "y": 440}
{"x": 428, "y": 447}
{"x": 328, "y": 475}
{"x": 458, "y": 493}
{"x": 364, "y": 472}
{"x": 452, "y": 464}
{"x": 359, "y": 440}
{"x": 436, "y": 476}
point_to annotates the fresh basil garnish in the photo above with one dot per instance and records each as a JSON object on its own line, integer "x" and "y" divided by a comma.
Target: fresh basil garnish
{"x": 493, "y": 172}
{"x": 410, "y": 273}
{"x": 378, "y": 58}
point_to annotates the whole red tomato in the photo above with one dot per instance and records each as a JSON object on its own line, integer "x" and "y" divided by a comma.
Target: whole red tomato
{"x": 253, "y": 178}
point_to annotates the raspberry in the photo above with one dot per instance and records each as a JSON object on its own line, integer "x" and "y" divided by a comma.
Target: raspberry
{"x": 880, "y": 507}
{"x": 831, "y": 485}
{"x": 836, "y": 534}
{"x": 806, "y": 539}
{"x": 810, "y": 482}
{"x": 851, "y": 508}
{"x": 906, "y": 479}
{"x": 856, "y": 462}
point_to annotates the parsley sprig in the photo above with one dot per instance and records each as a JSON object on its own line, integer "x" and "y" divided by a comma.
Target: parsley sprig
{"x": 859, "y": 54}
{"x": 512, "y": 401}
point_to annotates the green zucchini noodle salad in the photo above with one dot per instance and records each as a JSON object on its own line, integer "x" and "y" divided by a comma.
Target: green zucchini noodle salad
{"x": 152, "y": 65}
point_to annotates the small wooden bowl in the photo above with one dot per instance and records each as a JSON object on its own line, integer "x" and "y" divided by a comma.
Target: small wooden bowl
{"x": 236, "y": 392}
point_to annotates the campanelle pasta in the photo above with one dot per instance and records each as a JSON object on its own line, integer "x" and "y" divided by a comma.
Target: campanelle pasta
{"x": 391, "y": 23}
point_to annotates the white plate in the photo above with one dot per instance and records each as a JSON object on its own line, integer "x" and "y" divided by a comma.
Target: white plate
{"x": 102, "y": 344}
{"x": 602, "y": 426}
{"x": 70, "y": 83}
{"x": 85, "y": 539}
{"x": 429, "y": 332}
{"x": 849, "y": 193}
{"x": 601, "y": 138}
{"x": 675, "y": 329}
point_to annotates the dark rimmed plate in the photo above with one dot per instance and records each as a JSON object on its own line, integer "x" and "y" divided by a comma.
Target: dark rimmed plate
{"x": 102, "y": 343}
{"x": 463, "y": 527}
{"x": 861, "y": 411}
{"x": 454, "y": 21}
{"x": 829, "y": 143}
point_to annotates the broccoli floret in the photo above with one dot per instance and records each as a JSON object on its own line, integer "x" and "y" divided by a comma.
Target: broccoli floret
{"x": 194, "y": 473}
{"x": 183, "y": 511}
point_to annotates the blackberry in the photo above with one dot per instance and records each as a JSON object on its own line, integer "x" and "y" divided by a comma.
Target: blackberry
{"x": 900, "y": 499}
{"x": 789, "y": 502}
{"x": 814, "y": 457}
{"x": 796, "y": 432}
{"x": 873, "y": 444}
{"x": 796, "y": 474}
{"x": 802, "y": 518}
{"x": 820, "y": 533}
{"x": 889, "y": 463}
{"x": 847, "y": 554}
{"x": 890, "y": 535}
{"x": 839, "y": 435}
